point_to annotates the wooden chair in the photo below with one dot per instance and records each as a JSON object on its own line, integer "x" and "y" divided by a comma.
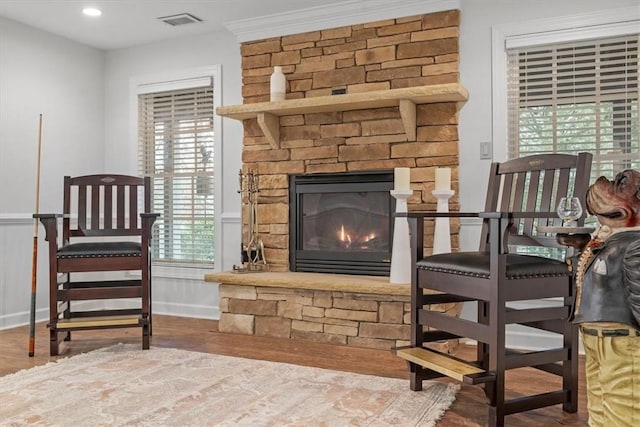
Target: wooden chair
{"x": 102, "y": 232}
{"x": 522, "y": 196}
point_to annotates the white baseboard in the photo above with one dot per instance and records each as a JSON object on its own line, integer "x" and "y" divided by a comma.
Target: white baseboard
{"x": 186, "y": 310}
{"x": 15, "y": 320}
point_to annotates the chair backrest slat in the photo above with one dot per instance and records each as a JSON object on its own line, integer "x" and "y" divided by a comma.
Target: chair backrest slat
{"x": 66, "y": 203}
{"x": 120, "y": 207}
{"x": 147, "y": 194}
{"x": 95, "y": 207}
{"x": 82, "y": 207}
{"x": 531, "y": 201}
{"x": 535, "y": 184}
{"x": 108, "y": 207}
{"x": 547, "y": 200}
{"x": 99, "y": 204}
{"x": 563, "y": 183}
{"x": 519, "y": 190}
{"x": 133, "y": 206}
{"x": 507, "y": 189}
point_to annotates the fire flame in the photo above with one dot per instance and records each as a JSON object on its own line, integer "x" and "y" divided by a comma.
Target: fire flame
{"x": 345, "y": 238}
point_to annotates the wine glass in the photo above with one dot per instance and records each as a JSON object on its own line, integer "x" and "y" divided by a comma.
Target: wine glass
{"x": 569, "y": 210}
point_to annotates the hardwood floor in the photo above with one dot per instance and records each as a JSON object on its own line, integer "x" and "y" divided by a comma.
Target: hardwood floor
{"x": 469, "y": 409}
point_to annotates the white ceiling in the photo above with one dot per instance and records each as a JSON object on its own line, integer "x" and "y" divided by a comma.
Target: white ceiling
{"x": 126, "y": 23}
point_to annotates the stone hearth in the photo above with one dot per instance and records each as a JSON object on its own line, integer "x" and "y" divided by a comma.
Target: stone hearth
{"x": 359, "y": 311}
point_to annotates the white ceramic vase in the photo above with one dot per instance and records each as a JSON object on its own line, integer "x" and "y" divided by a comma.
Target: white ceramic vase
{"x": 278, "y": 84}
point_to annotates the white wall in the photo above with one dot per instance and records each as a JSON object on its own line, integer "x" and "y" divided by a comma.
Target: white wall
{"x": 185, "y": 293}
{"x": 63, "y": 80}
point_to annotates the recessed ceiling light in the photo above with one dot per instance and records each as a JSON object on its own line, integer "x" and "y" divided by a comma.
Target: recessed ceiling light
{"x": 91, "y": 11}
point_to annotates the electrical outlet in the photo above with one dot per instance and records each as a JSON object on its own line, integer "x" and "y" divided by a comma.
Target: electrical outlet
{"x": 486, "y": 151}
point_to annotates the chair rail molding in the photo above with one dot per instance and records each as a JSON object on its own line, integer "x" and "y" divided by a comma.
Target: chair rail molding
{"x": 332, "y": 16}
{"x": 8, "y": 219}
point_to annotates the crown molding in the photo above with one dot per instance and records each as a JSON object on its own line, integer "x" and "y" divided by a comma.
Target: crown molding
{"x": 332, "y": 16}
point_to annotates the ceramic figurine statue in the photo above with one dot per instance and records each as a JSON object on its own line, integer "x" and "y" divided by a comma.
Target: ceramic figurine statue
{"x": 607, "y": 305}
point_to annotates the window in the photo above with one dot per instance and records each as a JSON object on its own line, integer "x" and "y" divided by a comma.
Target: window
{"x": 576, "y": 96}
{"x": 176, "y": 147}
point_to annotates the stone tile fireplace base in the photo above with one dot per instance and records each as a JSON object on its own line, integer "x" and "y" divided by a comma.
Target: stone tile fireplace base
{"x": 359, "y": 311}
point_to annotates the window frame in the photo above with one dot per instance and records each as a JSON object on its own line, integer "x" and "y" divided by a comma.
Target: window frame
{"x": 184, "y": 79}
{"x": 600, "y": 24}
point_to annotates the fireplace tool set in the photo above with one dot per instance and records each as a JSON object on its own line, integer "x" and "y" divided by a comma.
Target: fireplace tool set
{"x": 252, "y": 252}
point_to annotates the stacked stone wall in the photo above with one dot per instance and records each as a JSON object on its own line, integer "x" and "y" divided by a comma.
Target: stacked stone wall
{"x": 395, "y": 53}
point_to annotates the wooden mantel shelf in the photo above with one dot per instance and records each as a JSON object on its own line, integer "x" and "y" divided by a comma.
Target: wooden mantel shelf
{"x": 406, "y": 99}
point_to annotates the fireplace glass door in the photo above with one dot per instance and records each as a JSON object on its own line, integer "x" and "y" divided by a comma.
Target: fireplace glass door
{"x": 341, "y": 223}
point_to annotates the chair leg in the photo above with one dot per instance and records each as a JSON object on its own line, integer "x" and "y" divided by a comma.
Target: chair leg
{"x": 66, "y": 313}
{"x": 53, "y": 310}
{"x": 146, "y": 308}
{"x": 497, "y": 359}
{"x": 415, "y": 377}
{"x": 482, "y": 349}
{"x": 145, "y": 336}
{"x": 496, "y": 416}
{"x": 54, "y": 345}
{"x": 570, "y": 367}
{"x": 495, "y": 393}
{"x": 150, "y": 304}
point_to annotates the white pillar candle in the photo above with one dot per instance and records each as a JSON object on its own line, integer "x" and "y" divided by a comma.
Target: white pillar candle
{"x": 401, "y": 179}
{"x": 443, "y": 178}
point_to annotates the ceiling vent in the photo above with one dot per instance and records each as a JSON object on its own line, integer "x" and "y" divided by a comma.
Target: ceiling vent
{"x": 180, "y": 19}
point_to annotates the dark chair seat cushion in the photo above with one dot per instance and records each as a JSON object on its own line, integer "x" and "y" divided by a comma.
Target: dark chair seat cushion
{"x": 100, "y": 250}
{"x": 476, "y": 264}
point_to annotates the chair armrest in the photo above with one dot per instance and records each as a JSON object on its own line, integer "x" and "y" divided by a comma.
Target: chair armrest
{"x": 50, "y": 223}
{"x": 501, "y": 225}
{"x": 494, "y": 215}
{"x": 433, "y": 214}
{"x": 488, "y": 215}
{"x": 497, "y": 215}
{"x": 49, "y": 215}
{"x": 147, "y": 222}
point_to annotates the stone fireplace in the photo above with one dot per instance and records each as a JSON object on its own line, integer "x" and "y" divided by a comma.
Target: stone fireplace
{"x": 369, "y": 135}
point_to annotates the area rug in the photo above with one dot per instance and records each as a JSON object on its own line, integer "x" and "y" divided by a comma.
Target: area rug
{"x": 125, "y": 386}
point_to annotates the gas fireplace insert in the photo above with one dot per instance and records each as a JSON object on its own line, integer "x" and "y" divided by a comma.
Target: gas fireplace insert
{"x": 341, "y": 222}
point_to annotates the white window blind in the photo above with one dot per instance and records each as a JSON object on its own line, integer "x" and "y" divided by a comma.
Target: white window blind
{"x": 176, "y": 137}
{"x": 576, "y": 96}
